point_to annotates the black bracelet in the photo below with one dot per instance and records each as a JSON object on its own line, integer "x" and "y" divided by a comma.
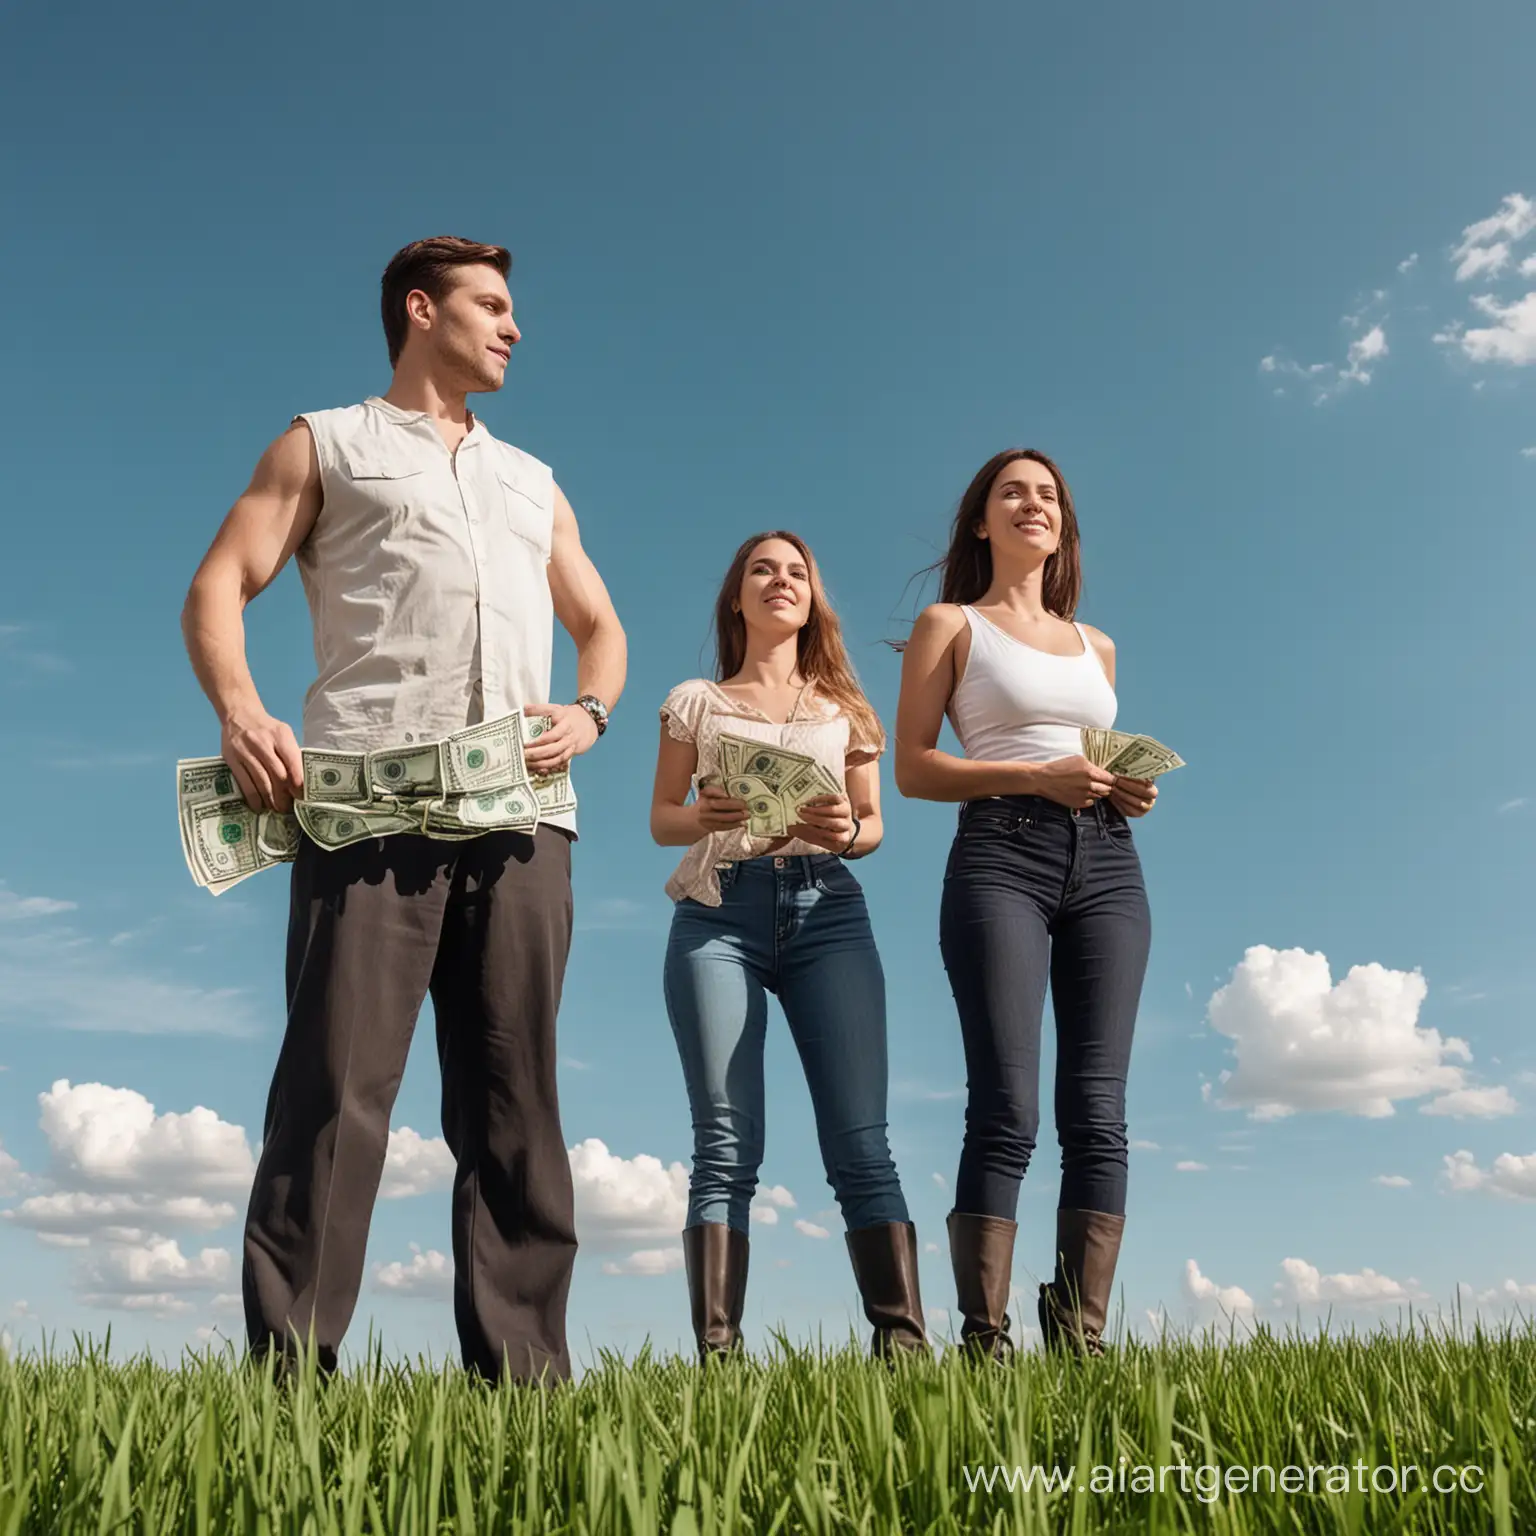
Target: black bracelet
{"x": 844, "y": 852}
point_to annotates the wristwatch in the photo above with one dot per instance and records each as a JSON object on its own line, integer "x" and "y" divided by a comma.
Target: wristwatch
{"x": 595, "y": 707}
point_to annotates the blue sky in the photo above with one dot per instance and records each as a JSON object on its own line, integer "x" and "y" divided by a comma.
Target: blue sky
{"x": 1253, "y": 278}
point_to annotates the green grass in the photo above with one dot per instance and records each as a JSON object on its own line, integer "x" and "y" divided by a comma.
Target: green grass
{"x": 800, "y": 1441}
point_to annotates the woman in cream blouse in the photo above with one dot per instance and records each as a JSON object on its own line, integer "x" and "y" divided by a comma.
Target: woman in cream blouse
{"x": 756, "y": 915}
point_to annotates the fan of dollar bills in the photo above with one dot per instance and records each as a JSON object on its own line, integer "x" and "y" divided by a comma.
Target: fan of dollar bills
{"x": 1132, "y": 757}
{"x": 470, "y": 782}
{"x": 773, "y": 781}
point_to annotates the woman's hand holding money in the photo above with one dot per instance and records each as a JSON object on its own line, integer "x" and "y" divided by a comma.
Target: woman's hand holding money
{"x": 1133, "y": 797}
{"x": 718, "y": 811}
{"x": 1070, "y": 781}
{"x": 826, "y": 821}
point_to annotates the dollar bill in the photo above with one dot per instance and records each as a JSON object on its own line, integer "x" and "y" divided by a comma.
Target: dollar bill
{"x": 1131, "y": 757}
{"x": 552, "y": 790}
{"x": 335, "y": 778}
{"x": 484, "y": 756}
{"x": 774, "y": 782}
{"x": 339, "y": 826}
{"x": 407, "y": 773}
{"x": 515, "y": 809}
{"x": 222, "y": 839}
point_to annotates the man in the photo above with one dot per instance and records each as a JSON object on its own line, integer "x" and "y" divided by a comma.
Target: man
{"x": 434, "y": 557}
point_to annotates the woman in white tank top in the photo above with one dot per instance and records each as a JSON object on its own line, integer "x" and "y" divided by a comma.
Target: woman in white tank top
{"x": 1043, "y": 884}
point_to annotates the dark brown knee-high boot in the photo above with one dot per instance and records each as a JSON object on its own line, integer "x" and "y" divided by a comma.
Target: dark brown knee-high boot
{"x": 981, "y": 1251}
{"x": 885, "y": 1266}
{"x": 715, "y": 1257}
{"x": 1074, "y": 1306}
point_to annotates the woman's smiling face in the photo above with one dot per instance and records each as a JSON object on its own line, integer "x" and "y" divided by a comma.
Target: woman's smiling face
{"x": 775, "y": 588}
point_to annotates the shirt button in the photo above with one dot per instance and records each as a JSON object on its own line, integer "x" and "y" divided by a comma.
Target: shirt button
{"x": 409, "y": 737}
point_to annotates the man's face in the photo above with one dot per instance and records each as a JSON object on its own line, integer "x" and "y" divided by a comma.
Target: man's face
{"x": 471, "y": 332}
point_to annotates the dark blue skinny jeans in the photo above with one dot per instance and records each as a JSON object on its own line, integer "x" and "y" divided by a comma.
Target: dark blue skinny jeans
{"x": 1034, "y": 892}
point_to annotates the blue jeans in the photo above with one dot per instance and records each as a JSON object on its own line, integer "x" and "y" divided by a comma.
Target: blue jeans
{"x": 1033, "y": 893}
{"x": 797, "y": 927}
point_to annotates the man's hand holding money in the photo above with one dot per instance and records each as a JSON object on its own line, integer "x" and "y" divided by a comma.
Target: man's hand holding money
{"x": 263, "y": 754}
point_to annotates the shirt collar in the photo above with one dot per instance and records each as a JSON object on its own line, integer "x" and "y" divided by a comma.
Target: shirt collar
{"x": 404, "y": 418}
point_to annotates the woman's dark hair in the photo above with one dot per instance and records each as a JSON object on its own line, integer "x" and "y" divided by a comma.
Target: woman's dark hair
{"x": 965, "y": 569}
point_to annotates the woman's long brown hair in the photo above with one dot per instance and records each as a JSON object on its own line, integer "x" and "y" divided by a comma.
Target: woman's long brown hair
{"x": 821, "y": 653}
{"x": 966, "y": 566}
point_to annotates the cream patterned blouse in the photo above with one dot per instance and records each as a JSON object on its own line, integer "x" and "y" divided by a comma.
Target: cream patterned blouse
{"x": 698, "y": 711}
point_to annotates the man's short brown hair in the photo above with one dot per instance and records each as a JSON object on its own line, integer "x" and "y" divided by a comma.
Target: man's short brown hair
{"x": 429, "y": 265}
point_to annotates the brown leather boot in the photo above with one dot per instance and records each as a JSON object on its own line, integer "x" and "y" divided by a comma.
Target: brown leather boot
{"x": 715, "y": 1257}
{"x": 1074, "y": 1306}
{"x": 981, "y": 1251}
{"x": 885, "y": 1267}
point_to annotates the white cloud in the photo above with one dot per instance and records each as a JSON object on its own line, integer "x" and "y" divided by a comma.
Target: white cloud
{"x": 415, "y": 1165}
{"x": 119, "y": 1172}
{"x": 14, "y": 908}
{"x": 1303, "y": 1043}
{"x": 620, "y": 1201}
{"x": 1367, "y": 349}
{"x": 1189, "y": 1165}
{"x": 810, "y": 1229}
{"x": 768, "y": 1202}
{"x": 1392, "y": 1181}
{"x": 11, "y": 1176}
{"x": 1199, "y": 1288}
{"x": 1511, "y": 339}
{"x": 1145, "y": 1146}
{"x": 1485, "y": 246}
{"x": 1509, "y": 1175}
{"x": 1408, "y": 263}
{"x": 647, "y": 1261}
{"x": 1303, "y": 1284}
{"x": 153, "y": 1276}
{"x": 1510, "y": 1294}
{"x": 423, "y": 1274}
{"x": 1472, "y": 1104}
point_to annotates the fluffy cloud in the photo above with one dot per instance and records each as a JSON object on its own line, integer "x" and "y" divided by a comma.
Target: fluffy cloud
{"x": 1509, "y": 1175}
{"x": 118, "y": 1170}
{"x": 1511, "y": 1294}
{"x": 1472, "y": 1104}
{"x": 810, "y": 1229}
{"x": 646, "y": 1261}
{"x": 423, "y": 1274}
{"x": 11, "y": 1176}
{"x": 1510, "y": 339}
{"x": 1303, "y": 1284}
{"x": 1484, "y": 249}
{"x": 768, "y": 1202}
{"x": 1393, "y": 1181}
{"x": 1189, "y": 1165}
{"x": 1203, "y": 1290}
{"x": 415, "y": 1165}
{"x": 1303, "y": 1043}
{"x": 1363, "y": 351}
{"x": 154, "y": 1276}
{"x": 626, "y": 1200}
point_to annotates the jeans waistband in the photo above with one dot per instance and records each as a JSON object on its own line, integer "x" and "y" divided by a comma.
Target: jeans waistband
{"x": 796, "y": 866}
{"x": 1041, "y": 807}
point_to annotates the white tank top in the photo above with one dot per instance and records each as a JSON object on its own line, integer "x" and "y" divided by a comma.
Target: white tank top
{"x": 1017, "y": 704}
{"x": 427, "y": 579}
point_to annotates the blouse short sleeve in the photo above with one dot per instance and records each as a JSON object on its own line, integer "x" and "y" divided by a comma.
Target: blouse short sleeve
{"x": 680, "y": 712}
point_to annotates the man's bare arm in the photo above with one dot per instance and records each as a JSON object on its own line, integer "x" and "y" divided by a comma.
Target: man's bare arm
{"x": 256, "y": 540}
{"x": 586, "y": 612}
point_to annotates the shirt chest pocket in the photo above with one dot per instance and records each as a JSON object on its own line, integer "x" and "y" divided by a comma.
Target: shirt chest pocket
{"x": 393, "y": 482}
{"x": 527, "y": 509}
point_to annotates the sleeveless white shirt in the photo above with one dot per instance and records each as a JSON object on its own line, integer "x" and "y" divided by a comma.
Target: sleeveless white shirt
{"x": 426, "y": 578}
{"x": 1018, "y": 704}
